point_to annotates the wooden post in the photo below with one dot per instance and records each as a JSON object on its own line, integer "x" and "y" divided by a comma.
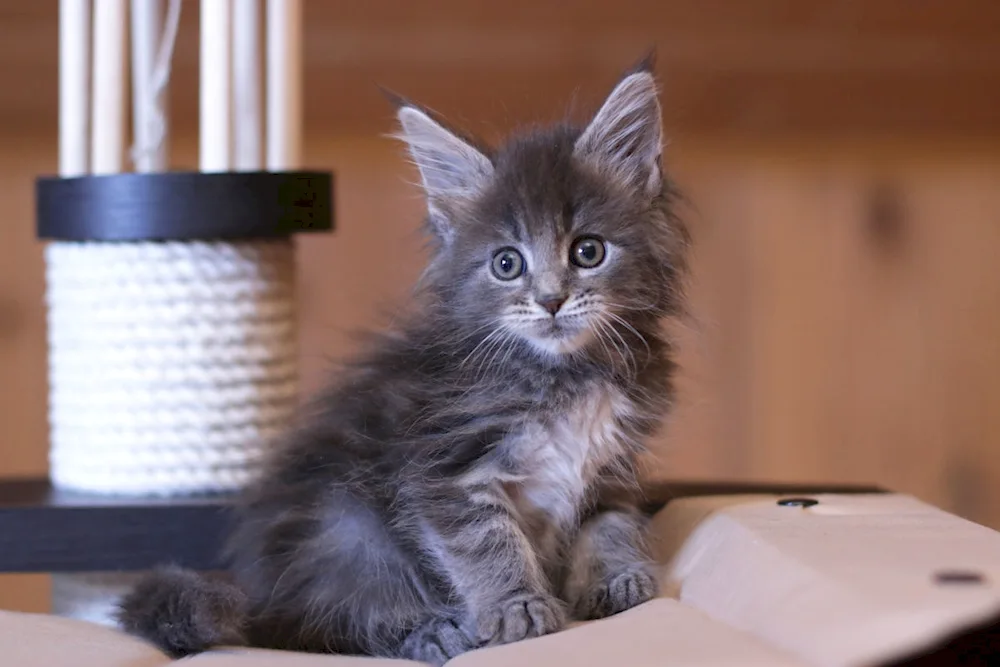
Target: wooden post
{"x": 214, "y": 138}
{"x": 147, "y": 24}
{"x": 284, "y": 84}
{"x": 247, "y": 121}
{"x": 74, "y": 80}
{"x": 108, "y": 110}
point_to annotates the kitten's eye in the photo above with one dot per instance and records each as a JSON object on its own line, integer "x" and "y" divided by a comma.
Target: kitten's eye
{"x": 587, "y": 252}
{"x": 507, "y": 264}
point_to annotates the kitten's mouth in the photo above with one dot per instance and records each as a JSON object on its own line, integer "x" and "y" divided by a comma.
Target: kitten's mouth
{"x": 558, "y": 328}
{"x": 553, "y": 326}
{"x": 555, "y": 336}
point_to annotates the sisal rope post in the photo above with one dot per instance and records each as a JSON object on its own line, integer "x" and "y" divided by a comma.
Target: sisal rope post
{"x": 172, "y": 338}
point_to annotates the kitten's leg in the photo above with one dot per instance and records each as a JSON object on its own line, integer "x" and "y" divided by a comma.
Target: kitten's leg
{"x": 489, "y": 562}
{"x": 610, "y": 569}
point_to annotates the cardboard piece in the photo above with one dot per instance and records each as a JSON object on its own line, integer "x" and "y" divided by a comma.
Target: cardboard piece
{"x": 660, "y": 632}
{"x": 39, "y": 640}
{"x": 850, "y": 581}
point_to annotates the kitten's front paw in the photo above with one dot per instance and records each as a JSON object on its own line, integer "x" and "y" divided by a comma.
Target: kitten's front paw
{"x": 436, "y": 642}
{"x": 521, "y": 617}
{"x": 616, "y": 594}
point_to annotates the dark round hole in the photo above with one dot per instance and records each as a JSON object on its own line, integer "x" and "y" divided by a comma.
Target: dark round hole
{"x": 798, "y": 502}
{"x": 886, "y": 217}
{"x": 958, "y": 577}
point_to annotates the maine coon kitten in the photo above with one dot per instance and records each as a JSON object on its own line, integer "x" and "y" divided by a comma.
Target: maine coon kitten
{"x": 468, "y": 482}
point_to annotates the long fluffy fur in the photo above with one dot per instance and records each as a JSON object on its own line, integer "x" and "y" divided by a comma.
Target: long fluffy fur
{"x": 460, "y": 485}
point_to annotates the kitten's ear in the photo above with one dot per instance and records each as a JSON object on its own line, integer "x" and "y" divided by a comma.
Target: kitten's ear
{"x": 451, "y": 168}
{"x": 625, "y": 137}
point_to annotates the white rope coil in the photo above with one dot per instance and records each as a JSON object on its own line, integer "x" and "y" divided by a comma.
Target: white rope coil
{"x": 171, "y": 365}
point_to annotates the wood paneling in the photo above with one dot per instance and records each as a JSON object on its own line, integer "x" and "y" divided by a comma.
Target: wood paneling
{"x": 861, "y": 355}
{"x": 734, "y": 66}
{"x": 23, "y": 383}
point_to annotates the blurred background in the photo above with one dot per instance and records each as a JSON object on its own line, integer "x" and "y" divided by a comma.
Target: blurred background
{"x": 842, "y": 162}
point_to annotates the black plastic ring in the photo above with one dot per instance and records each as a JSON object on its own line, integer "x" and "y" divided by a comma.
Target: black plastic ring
{"x": 184, "y": 206}
{"x": 798, "y": 502}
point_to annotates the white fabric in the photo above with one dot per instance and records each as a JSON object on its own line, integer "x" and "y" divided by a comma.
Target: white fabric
{"x": 171, "y": 364}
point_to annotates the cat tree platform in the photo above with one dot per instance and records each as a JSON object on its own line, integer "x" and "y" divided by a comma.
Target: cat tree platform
{"x": 775, "y": 576}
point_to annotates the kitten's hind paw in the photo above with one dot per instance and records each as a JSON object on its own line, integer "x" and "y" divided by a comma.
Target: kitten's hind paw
{"x": 616, "y": 594}
{"x": 436, "y": 642}
{"x": 521, "y": 617}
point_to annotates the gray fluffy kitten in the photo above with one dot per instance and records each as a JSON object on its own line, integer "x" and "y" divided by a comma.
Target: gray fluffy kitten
{"x": 470, "y": 480}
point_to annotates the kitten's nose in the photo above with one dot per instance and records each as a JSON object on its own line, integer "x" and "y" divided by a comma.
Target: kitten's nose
{"x": 551, "y": 302}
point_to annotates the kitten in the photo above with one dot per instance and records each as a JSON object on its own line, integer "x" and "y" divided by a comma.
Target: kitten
{"x": 470, "y": 480}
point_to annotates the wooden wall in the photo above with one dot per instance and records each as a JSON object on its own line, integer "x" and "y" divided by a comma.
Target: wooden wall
{"x": 774, "y": 67}
{"x": 843, "y": 163}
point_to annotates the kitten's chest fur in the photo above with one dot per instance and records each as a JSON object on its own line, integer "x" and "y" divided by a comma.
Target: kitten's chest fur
{"x": 560, "y": 456}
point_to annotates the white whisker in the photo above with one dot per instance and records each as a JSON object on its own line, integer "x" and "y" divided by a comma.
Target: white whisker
{"x": 607, "y": 328}
{"x": 630, "y": 328}
{"x": 600, "y": 338}
{"x": 484, "y": 341}
{"x": 507, "y": 337}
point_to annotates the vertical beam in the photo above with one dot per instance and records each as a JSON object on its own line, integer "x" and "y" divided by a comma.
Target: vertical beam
{"x": 247, "y": 118}
{"x": 147, "y": 24}
{"x": 284, "y": 84}
{"x": 214, "y": 116}
{"x": 74, "y": 59}
{"x": 108, "y": 110}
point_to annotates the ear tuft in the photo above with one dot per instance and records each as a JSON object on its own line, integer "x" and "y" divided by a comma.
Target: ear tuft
{"x": 393, "y": 98}
{"x": 646, "y": 64}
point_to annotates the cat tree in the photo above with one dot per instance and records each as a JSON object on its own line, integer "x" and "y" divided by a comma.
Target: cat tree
{"x": 171, "y": 295}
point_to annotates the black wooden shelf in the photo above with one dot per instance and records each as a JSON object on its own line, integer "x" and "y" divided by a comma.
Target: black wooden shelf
{"x": 43, "y": 529}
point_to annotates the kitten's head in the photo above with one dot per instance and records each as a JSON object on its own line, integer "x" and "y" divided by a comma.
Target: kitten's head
{"x": 562, "y": 237}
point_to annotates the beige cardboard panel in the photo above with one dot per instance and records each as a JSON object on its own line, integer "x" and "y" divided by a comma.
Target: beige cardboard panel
{"x": 660, "y": 632}
{"x": 848, "y": 582}
{"x": 37, "y": 640}
{"x": 267, "y": 658}
{"x": 680, "y": 518}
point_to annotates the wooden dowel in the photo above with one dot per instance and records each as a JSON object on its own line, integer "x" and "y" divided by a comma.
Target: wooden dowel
{"x": 214, "y": 116}
{"x": 74, "y": 82}
{"x": 108, "y": 109}
{"x": 147, "y": 25}
{"x": 284, "y": 84}
{"x": 247, "y": 122}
